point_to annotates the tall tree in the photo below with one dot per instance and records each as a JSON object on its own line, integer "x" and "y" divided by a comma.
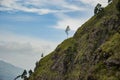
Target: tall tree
{"x": 36, "y": 65}
{"x": 42, "y": 55}
{"x": 30, "y": 72}
{"x": 67, "y": 30}
{"x": 24, "y": 74}
{"x": 95, "y": 10}
{"x": 98, "y": 8}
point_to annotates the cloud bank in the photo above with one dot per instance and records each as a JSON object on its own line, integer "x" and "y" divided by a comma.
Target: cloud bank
{"x": 23, "y": 51}
{"x": 43, "y": 7}
{"x": 65, "y": 20}
{"x": 38, "y": 6}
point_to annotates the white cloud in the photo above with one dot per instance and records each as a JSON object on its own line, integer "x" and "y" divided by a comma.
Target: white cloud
{"x": 20, "y": 18}
{"x": 65, "y": 20}
{"x": 42, "y": 6}
{"x": 94, "y": 2}
{"x": 23, "y": 51}
{"x": 38, "y": 6}
{"x": 75, "y": 23}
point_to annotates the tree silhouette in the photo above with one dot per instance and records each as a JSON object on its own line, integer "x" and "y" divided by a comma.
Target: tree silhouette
{"x": 67, "y": 30}
{"x": 42, "y": 55}
{"x": 30, "y": 72}
{"x": 98, "y": 8}
{"x": 24, "y": 74}
{"x": 95, "y": 10}
{"x": 36, "y": 65}
{"x": 17, "y": 77}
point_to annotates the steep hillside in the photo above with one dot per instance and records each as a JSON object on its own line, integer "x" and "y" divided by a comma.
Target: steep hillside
{"x": 8, "y": 71}
{"x": 93, "y": 53}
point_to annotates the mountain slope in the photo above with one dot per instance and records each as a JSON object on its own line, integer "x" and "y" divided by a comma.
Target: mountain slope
{"x": 8, "y": 71}
{"x": 93, "y": 53}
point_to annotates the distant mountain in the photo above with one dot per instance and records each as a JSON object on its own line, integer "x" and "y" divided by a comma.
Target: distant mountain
{"x": 8, "y": 71}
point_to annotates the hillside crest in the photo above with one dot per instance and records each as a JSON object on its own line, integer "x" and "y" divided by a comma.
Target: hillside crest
{"x": 93, "y": 53}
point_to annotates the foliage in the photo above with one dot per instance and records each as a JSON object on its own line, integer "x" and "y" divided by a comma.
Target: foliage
{"x": 36, "y": 65}
{"x": 24, "y": 74}
{"x": 67, "y": 30}
{"x": 30, "y": 72}
{"x": 17, "y": 77}
{"x": 42, "y": 55}
{"x": 83, "y": 57}
{"x": 98, "y": 8}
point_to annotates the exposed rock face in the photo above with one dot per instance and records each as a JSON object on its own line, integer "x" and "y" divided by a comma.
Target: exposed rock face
{"x": 93, "y": 53}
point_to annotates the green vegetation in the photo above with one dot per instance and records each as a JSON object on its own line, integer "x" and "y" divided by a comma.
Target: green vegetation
{"x": 30, "y": 72}
{"x": 22, "y": 76}
{"x": 113, "y": 45}
{"x": 98, "y": 9}
{"x": 42, "y": 55}
{"x": 93, "y": 53}
{"x": 118, "y": 6}
{"x": 67, "y": 30}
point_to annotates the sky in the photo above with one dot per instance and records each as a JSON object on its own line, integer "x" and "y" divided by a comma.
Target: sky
{"x": 29, "y": 28}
